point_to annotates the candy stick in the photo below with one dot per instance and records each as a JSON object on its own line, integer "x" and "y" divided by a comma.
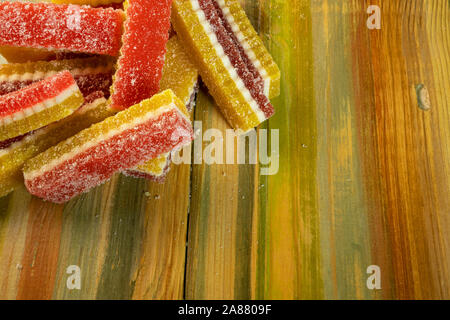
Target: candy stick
{"x": 146, "y": 31}
{"x": 180, "y": 75}
{"x": 66, "y": 27}
{"x": 14, "y": 152}
{"x": 231, "y": 58}
{"x": 142, "y": 132}
{"x": 39, "y": 104}
{"x": 91, "y": 74}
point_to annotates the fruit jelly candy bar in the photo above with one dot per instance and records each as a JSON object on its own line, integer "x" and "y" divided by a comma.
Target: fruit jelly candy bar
{"x": 139, "y": 68}
{"x": 238, "y": 78}
{"x": 66, "y": 27}
{"x": 142, "y": 132}
{"x": 181, "y": 76}
{"x": 238, "y": 24}
{"x": 91, "y": 74}
{"x": 14, "y": 153}
{"x": 38, "y": 105}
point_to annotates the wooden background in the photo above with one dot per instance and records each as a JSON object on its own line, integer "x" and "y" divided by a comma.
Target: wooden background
{"x": 364, "y": 179}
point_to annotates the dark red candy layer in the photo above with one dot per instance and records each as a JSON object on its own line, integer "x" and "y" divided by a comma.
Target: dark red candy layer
{"x": 239, "y": 60}
{"x": 259, "y": 82}
{"x": 125, "y": 150}
{"x": 65, "y": 27}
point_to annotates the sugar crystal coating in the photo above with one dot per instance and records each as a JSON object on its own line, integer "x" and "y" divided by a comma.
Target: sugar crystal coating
{"x": 142, "y": 132}
{"x": 146, "y": 31}
{"x": 15, "y": 152}
{"x": 67, "y": 27}
{"x": 91, "y": 74}
{"x": 179, "y": 73}
{"x": 181, "y": 76}
{"x": 38, "y": 104}
{"x": 219, "y": 51}
{"x": 252, "y": 44}
{"x": 239, "y": 60}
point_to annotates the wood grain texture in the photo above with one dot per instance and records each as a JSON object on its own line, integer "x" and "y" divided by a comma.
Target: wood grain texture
{"x": 363, "y": 179}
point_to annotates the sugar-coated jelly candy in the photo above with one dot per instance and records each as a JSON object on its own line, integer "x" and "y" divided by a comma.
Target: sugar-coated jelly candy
{"x": 38, "y": 105}
{"x": 232, "y": 60}
{"x": 14, "y": 152}
{"x": 91, "y": 74}
{"x": 181, "y": 76}
{"x": 144, "y": 131}
{"x": 139, "y": 68}
{"x": 65, "y": 27}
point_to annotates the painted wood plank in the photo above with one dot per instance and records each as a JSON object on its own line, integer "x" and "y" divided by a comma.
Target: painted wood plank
{"x": 364, "y": 179}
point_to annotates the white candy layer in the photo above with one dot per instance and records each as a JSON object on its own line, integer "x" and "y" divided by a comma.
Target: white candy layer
{"x": 39, "y": 107}
{"x": 55, "y": 162}
{"x": 45, "y": 129}
{"x": 226, "y": 61}
{"x": 247, "y": 49}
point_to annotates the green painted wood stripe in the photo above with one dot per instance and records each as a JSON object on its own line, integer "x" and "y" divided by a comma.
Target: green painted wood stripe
{"x": 292, "y": 193}
{"x": 345, "y": 241}
{"x": 83, "y": 222}
{"x": 124, "y": 239}
{"x": 199, "y": 208}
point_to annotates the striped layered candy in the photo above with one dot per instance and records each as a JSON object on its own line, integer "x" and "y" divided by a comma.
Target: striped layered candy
{"x": 91, "y": 74}
{"x": 65, "y": 27}
{"x": 14, "y": 152}
{"x": 39, "y": 104}
{"x": 144, "y": 131}
{"x": 181, "y": 76}
{"x": 139, "y": 68}
{"x": 232, "y": 60}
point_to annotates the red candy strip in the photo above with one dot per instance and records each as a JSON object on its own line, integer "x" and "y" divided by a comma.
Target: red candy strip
{"x": 142, "y": 54}
{"x": 34, "y": 94}
{"x": 67, "y": 27}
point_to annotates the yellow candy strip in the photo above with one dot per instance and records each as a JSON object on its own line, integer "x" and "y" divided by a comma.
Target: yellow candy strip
{"x": 101, "y": 131}
{"x": 13, "y": 158}
{"x": 21, "y": 55}
{"x": 180, "y": 75}
{"x": 141, "y": 132}
{"x": 231, "y": 94}
{"x": 253, "y": 45}
{"x": 38, "y": 105}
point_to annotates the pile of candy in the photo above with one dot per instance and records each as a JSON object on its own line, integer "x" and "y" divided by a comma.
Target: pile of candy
{"x": 94, "y": 87}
